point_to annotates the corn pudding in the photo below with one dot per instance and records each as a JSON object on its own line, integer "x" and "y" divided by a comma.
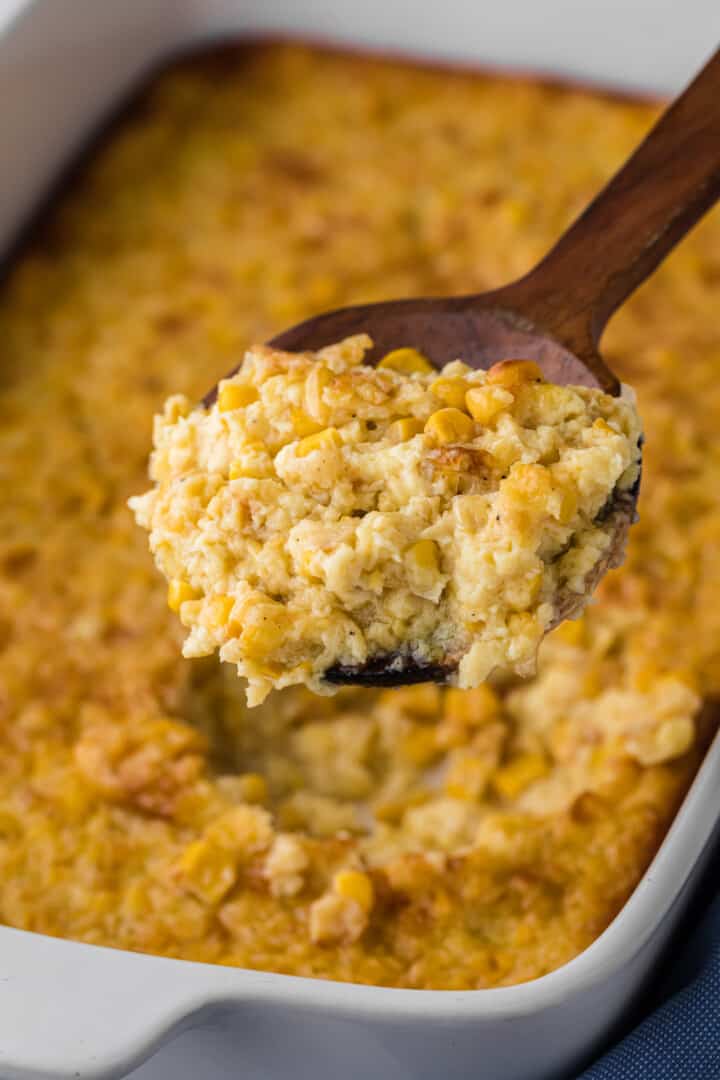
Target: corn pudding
{"x": 322, "y": 512}
{"x": 421, "y": 837}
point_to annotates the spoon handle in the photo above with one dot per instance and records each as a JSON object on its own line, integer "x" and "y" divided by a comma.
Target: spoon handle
{"x": 661, "y": 191}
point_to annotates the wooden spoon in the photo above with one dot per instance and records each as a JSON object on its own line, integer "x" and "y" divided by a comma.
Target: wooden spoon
{"x": 555, "y": 314}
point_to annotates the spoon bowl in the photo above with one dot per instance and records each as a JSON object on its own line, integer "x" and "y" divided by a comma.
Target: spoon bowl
{"x": 479, "y": 329}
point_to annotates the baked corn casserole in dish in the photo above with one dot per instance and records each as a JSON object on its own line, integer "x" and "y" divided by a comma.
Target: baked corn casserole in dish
{"x": 429, "y": 837}
{"x": 323, "y": 512}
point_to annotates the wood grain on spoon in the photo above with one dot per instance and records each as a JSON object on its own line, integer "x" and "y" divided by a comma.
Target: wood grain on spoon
{"x": 555, "y": 314}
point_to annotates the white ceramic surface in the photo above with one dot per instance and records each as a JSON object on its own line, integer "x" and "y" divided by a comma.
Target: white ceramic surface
{"x": 69, "y": 1010}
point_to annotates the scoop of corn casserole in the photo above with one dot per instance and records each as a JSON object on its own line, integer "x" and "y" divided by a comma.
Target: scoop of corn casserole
{"x": 324, "y": 512}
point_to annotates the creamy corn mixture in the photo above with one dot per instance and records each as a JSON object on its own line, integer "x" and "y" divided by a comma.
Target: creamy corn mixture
{"x": 323, "y": 512}
{"x": 424, "y": 837}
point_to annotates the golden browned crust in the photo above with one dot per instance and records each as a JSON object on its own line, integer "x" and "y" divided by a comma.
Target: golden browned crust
{"x": 141, "y": 806}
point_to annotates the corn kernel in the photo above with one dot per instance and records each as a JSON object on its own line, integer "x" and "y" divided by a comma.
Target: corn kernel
{"x": 523, "y": 624}
{"x": 441, "y": 904}
{"x": 467, "y": 777}
{"x": 327, "y": 439}
{"x": 195, "y": 484}
{"x": 673, "y": 738}
{"x": 253, "y": 788}
{"x": 247, "y": 470}
{"x": 687, "y": 677}
{"x": 243, "y": 831}
{"x": 236, "y": 396}
{"x": 136, "y": 900}
{"x": 563, "y": 506}
{"x": 178, "y": 592}
{"x": 256, "y": 464}
{"x": 571, "y": 632}
{"x": 258, "y": 641}
{"x": 471, "y": 708}
{"x": 425, "y": 555}
{"x": 407, "y": 362}
{"x": 393, "y": 810}
{"x": 190, "y": 612}
{"x": 451, "y": 391}
{"x": 319, "y": 378}
{"x": 218, "y": 611}
{"x": 512, "y": 374}
{"x": 644, "y": 676}
{"x": 423, "y": 567}
{"x": 547, "y": 400}
{"x": 602, "y": 426}
{"x": 450, "y": 426}
{"x": 407, "y": 428}
{"x": 529, "y": 485}
{"x": 620, "y": 777}
{"x": 533, "y": 587}
{"x": 303, "y": 425}
{"x": 176, "y": 407}
{"x": 10, "y": 827}
{"x": 421, "y": 700}
{"x": 419, "y": 746}
{"x": 263, "y": 634}
{"x": 484, "y": 403}
{"x": 354, "y": 885}
{"x": 523, "y": 935}
{"x": 512, "y": 779}
{"x": 207, "y": 871}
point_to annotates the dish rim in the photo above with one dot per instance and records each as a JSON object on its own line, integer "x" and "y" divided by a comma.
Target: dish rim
{"x": 680, "y": 850}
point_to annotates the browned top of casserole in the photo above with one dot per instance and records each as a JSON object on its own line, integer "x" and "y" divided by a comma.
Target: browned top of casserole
{"x": 420, "y": 837}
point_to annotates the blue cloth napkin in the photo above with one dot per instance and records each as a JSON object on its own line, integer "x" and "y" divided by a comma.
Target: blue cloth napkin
{"x": 679, "y": 1039}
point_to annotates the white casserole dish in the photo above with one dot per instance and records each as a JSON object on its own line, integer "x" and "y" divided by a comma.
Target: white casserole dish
{"x": 69, "y": 1010}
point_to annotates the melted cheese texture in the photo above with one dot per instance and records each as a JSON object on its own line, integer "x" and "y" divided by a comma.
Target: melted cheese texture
{"x": 324, "y": 512}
